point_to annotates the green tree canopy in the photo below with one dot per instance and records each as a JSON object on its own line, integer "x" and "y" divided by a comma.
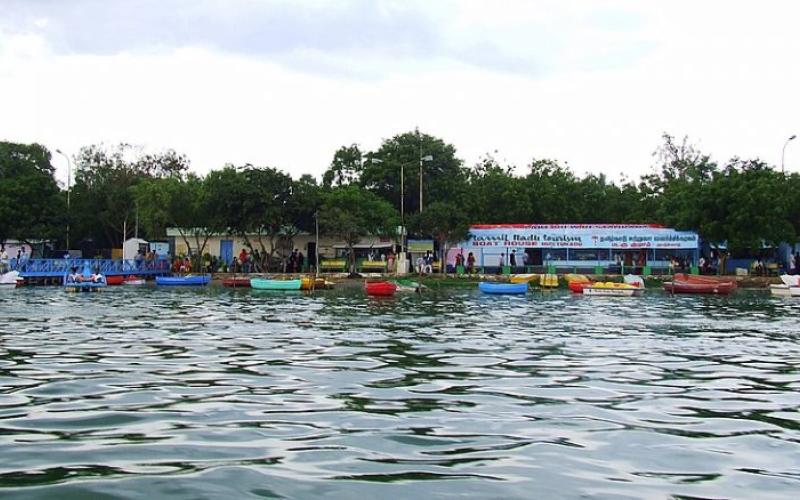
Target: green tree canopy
{"x": 31, "y": 205}
{"x": 350, "y": 213}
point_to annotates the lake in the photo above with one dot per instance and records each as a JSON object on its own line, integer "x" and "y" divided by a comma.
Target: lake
{"x": 213, "y": 393}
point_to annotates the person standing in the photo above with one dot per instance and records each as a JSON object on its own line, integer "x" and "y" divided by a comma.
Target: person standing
{"x": 300, "y": 260}
{"x": 513, "y": 259}
{"x": 470, "y": 262}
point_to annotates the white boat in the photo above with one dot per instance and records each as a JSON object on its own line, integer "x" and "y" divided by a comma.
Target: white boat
{"x": 11, "y": 279}
{"x": 634, "y": 280}
{"x": 780, "y": 290}
{"x": 794, "y": 291}
{"x": 611, "y": 292}
{"x": 790, "y": 280}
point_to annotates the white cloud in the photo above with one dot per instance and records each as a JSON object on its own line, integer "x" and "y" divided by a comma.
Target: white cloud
{"x": 591, "y": 85}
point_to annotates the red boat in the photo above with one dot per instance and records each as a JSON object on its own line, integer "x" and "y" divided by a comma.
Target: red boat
{"x": 115, "y": 280}
{"x": 236, "y": 282}
{"x": 577, "y": 286}
{"x": 380, "y": 288}
{"x": 707, "y": 287}
{"x": 694, "y": 278}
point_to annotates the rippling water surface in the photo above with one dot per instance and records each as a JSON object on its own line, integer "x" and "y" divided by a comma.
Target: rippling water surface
{"x": 212, "y": 393}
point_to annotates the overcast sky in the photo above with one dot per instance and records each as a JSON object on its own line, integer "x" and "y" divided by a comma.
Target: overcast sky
{"x": 593, "y": 83}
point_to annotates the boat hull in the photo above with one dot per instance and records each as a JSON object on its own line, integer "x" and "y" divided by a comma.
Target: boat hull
{"x": 236, "y": 282}
{"x": 201, "y": 280}
{"x": 707, "y": 288}
{"x": 522, "y": 278}
{"x": 84, "y": 286}
{"x": 380, "y": 288}
{"x": 503, "y": 288}
{"x": 115, "y": 280}
{"x": 264, "y": 284}
{"x": 612, "y": 292}
{"x": 780, "y": 290}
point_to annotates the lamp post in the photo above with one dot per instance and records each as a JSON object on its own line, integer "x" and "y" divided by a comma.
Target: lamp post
{"x": 69, "y": 181}
{"x": 783, "y": 154}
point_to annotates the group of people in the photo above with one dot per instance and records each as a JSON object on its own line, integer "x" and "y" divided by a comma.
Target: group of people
{"x": 75, "y": 277}
{"x": 425, "y": 263}
{"x": 8, "y": 264}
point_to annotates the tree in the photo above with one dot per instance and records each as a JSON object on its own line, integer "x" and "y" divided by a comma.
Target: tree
{"x": 489, "y": 183}
{"x": 345, "y": 169}
{"x": 103, "y": 198}
{"x": 180, "y": 203}
{"x": 252, "y": 203}
{"x": 443, "y": 222}
{"x": 351, "y": 213}
{"x": 31, "y": 204}
{"x": 443, "y": 177}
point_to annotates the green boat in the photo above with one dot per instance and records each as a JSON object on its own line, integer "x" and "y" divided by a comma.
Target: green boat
{"x": 264, "y": 284}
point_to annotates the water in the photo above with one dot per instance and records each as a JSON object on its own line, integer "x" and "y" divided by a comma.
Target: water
{"x": 212, "y": 393}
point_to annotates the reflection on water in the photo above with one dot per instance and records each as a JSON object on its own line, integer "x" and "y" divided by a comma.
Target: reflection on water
{"x": 217, "y": 393}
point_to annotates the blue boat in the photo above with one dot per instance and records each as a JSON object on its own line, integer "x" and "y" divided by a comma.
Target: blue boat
{"x": 86, "y": 282}
{"x": 189, "y": 280}
{"x": 503, "y": 288}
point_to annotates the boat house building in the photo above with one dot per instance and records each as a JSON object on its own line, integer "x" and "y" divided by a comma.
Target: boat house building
{"x": 579, "y": 247}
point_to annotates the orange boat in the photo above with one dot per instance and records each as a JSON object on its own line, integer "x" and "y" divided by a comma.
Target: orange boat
{"x": 115, "y": 280}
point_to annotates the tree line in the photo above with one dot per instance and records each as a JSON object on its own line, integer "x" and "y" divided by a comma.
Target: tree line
{"x": 413, "y": 179}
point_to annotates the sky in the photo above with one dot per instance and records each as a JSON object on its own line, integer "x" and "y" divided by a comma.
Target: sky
{"x": 285, "y": 83}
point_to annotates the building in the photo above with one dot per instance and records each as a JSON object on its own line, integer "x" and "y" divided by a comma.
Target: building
{"x": 581, "y": 247}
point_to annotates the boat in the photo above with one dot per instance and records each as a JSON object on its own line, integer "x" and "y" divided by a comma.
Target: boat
{"x": 794, "y": 291}
{"x": 633, "y": 280}
{"x": 407, "y": 285}
{"x": 85, "y": 282}
{"x": 522, "y": 278}
{"x": 548, "y": 281}
{"x": 709, "y": 288}
{"x": 236, "y": 282}
{"x": 694, "y": 278}
{"x": 310, "y": 283}
{"x": 11, "y": 279}
{"x": 576, "y": 282}
{"x": 503, "y": 288}
{"x": 380, "y": 288}
{"x": 115, "y": 280}
{"x": 612, "y": 289}
{"x": 133, "y": 280}
{"x": 781, "y": 290}
{"x": 188, "y": 280}
{"x": 785, "y": 289}
{"x": 267, "y": 284}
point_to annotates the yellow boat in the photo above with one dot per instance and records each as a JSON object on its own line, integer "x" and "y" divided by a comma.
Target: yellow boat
{"x": 522, "y": 278}
{"x": 549, "y": 281}
{"x": 309, "y": 282}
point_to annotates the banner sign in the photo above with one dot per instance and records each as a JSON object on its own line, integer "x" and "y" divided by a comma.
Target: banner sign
{"x": 611, "y": 236}
{"x": 420, "y": 246}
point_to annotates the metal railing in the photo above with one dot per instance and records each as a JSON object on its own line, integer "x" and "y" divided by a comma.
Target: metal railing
{"x": 33, "y": 268}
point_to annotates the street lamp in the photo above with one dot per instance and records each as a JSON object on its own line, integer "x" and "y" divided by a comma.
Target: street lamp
{"x": 783, "y": 154}
{"x": 421, "y": 159}
{"x": 69, "y": 181}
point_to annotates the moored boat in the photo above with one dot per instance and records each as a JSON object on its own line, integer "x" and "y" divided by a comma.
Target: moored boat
{"x": 695, "y": 278}
{"x": 133, "y": 280}
{"x": 188, "y": 280}
{"x": 522, "y": 278}
{"x": 700, "y": 287}
{"x": 380, "y": 288}
{"x": 780, "y": 290}
{"x": 309, "y": 283}
{"x": 236, "y": 282}
{"x": 10, "y": 279}
{"x": 115, "y": 280}
{"x": 267, "y": 284}
{"x": 576, "y": 282}
{"x": 503, "y": 288}
{"x": 611, "y": 289}
{"x": 548, "y": 281}
{"x": 407, "y": 285}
